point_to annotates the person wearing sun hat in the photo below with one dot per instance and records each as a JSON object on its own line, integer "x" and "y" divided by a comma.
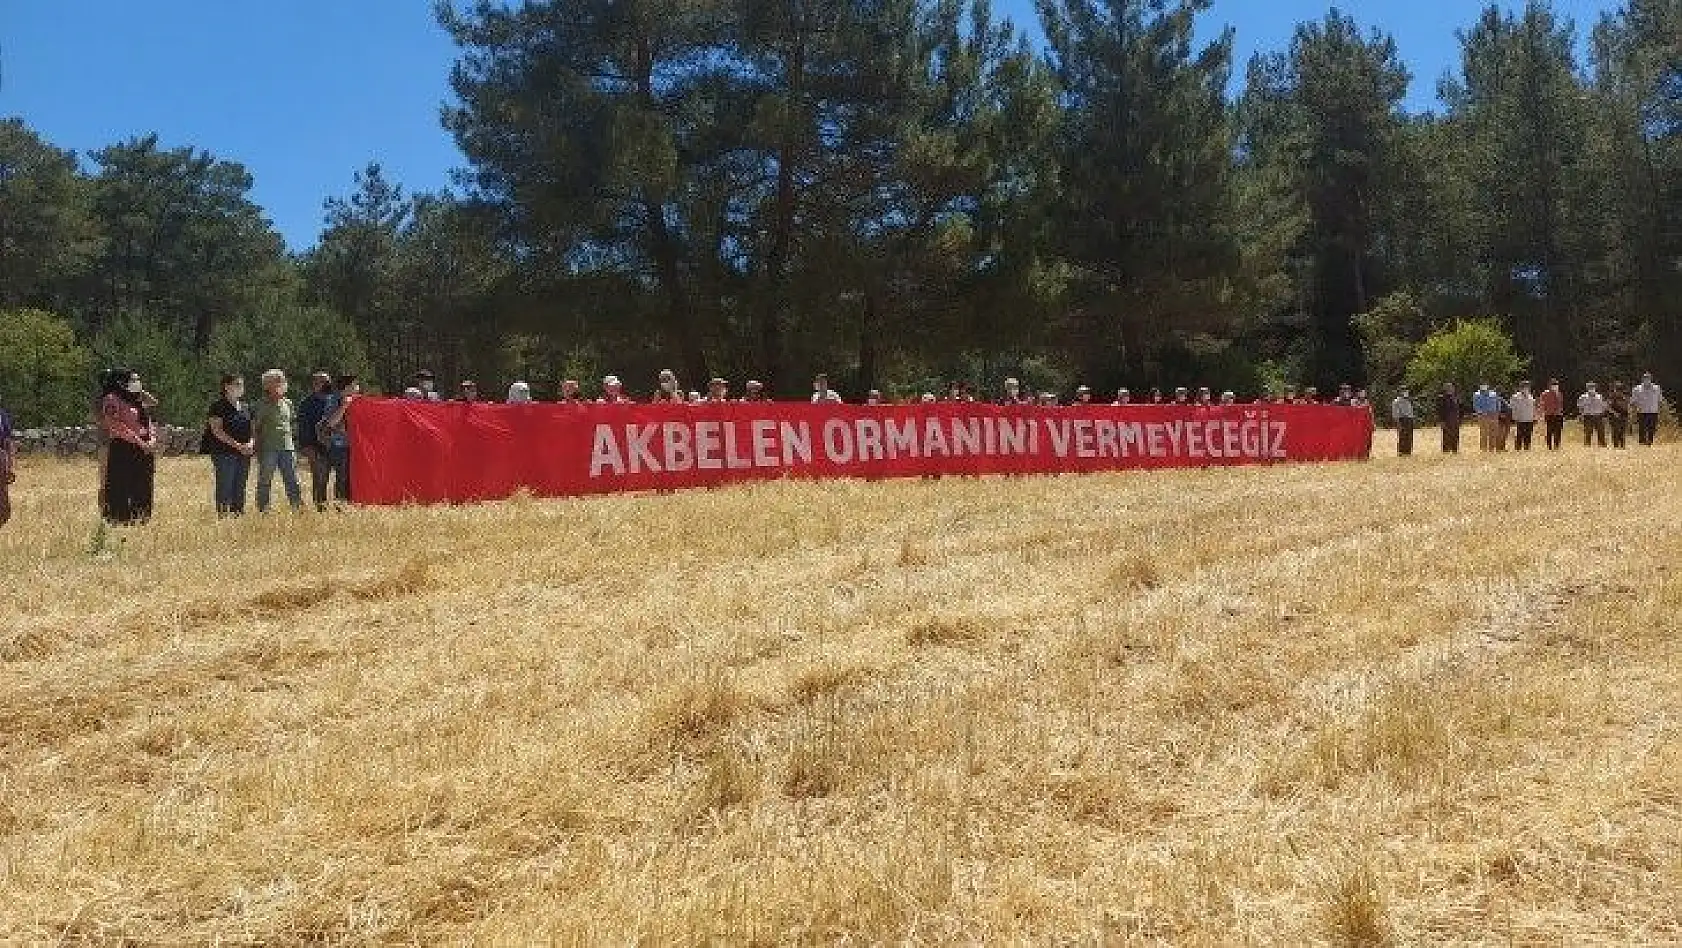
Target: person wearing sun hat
{"x": 427, "y": 384}
{"x": 613, "y": 391}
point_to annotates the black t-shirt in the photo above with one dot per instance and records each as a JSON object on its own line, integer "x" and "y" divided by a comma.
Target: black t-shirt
{"x": 236, "y": 423}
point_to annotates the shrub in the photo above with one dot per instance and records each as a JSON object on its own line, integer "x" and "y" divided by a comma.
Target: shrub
{"x": 1469, "y": 354}
{"x": 43, "y": 370}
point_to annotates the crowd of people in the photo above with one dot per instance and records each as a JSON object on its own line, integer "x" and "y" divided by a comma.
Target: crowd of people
{"x": 668, "y": 390}
{"x": 1511, "y": 419}
{"x": 273, "y": 433}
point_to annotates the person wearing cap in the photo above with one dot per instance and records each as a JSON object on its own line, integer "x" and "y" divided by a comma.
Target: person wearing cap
{"x": 1229, "y": 398}
{"x": 873, "y": 397}
{"x": 1551, "y": 405}
{"x": 427, "y": 384}
{"x": 1123, "y": 397}
{"x": 469, "y": 392}
{"x": 519, "y": 393}
{"x": 822, "y": 393}
{"x": 1049, "y": 400}
{"x": 928, "y": 398}
{"x": 571, "y": 393}
{"x": 613, "y": 392}
{"x": 666, "y": 389}
{"x": 1647, "y": 399}
{"x": 718, "y": 391}
{"x": 1523, "y": 407}
{"x": 1156, "y": 396}
{"x": 1083, "y": 395}
{"x": 412, "y": 394}
{"x": 1182, "y": 396}
{"x": 1345, "y": 396}
{"x": 1591, "y": 406}
{"x": 753, "y": 391}
{"x": 1404, "y": 414}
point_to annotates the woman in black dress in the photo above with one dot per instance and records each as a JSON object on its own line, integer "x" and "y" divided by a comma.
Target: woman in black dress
{"x": 129, "y": 472}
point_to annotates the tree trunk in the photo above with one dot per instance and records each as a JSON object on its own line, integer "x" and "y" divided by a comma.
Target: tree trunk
{"x": 663, "y": 248}
{"x": 869, "y": 321}
{"x": 771, "y": 322}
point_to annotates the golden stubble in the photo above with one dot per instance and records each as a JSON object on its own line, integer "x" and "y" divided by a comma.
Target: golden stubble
{"x": 1426, "y": 701}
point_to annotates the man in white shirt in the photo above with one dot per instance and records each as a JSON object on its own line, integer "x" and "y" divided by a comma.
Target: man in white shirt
{"x": 1403, "y": 414}
{"x": 822, "y": 393}
{"x": 1523, "y": 405}
{"x": 1591, "y": 405}
{"x": 1647, "y": 399}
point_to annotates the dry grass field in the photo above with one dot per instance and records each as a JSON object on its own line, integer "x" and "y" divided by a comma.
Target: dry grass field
{"x": 1428, "y": 701}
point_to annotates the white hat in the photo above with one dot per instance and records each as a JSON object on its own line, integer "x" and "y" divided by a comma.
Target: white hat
{"x": 612, "y": 381}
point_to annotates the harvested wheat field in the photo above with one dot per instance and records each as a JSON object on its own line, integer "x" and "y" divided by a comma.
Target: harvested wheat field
{"x": 1427, "y": 701}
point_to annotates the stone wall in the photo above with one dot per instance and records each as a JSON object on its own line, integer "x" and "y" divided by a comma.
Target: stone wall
{"x": 84, "y": 441}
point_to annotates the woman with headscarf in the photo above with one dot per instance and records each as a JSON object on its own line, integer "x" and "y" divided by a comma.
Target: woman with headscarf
{"x": 132, "y": 466}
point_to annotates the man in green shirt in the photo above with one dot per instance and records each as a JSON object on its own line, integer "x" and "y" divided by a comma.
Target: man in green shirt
{"x": 273, "y": 430}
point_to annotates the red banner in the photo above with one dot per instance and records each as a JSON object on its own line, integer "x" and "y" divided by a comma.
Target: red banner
{"x": 421, "y": 452}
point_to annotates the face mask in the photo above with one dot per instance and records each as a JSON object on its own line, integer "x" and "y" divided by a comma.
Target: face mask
{"x": 135, "y": 387}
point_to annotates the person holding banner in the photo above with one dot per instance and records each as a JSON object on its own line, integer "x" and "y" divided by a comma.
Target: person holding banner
{"x": 427, "y": 384}
{"x": 1013, "y": 394}
{"x": 822, "y": 394}
{"x": 613, "y": 392}
{"x": 667, "y": 391}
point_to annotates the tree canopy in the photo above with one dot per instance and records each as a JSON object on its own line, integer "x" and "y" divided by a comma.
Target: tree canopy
{"x": 900, "y": 192}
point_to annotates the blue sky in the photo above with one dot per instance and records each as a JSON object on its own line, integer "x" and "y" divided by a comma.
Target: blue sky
{"x": 304, "y": 92}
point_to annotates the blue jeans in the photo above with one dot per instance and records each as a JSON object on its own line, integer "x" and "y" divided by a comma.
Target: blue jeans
{"x": 286, "y": 463}
{"x": 232, "y": 473}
